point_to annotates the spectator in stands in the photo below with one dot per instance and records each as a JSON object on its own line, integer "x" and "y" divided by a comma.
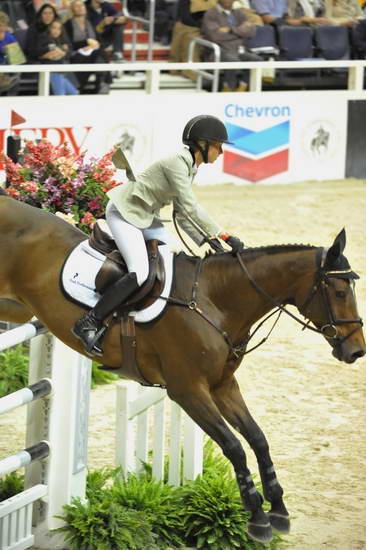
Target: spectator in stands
{"x": 189, "y": 18}
{"x": 85, "y": 48}
{"x": 309, "y": 12}
{"x": 44, "y": 17}
{"x": 54, "y": 47}
{"x": 230, "y": 29}
{"x": 165, "y": 18}
{"x": 252, "y": 17}
{"x": 343, "y": 12}
{"x": 61, "y": 6}
{"x": 274, "y": 12}
{"x": 8, "y": 83}
{"x": 108, "y": 25}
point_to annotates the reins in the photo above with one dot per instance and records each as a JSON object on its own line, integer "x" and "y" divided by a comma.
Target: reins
{"x": 239, "y": 350}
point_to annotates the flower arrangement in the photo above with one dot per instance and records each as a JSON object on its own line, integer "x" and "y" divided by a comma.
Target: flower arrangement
{"x": 63, "y": 182}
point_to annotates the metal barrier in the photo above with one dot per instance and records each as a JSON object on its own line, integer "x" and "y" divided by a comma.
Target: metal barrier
{"x": 151, "y": 25}
{"x": 355, "y": 69}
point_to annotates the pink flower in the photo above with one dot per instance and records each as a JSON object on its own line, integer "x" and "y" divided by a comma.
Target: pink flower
{"x": 30, "y": 186}
{"x": 88, "y": 218}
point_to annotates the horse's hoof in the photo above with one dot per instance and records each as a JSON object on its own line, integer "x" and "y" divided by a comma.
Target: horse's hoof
{"x": 280, "y": 522}
{"x": 260, "y": 532}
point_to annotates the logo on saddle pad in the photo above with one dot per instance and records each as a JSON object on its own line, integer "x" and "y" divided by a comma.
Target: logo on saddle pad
{"x": 78, "y": 279}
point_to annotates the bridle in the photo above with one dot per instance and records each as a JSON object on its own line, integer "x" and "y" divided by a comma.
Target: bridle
{"x": 321, "y": 279}
{"x": 320, "y": 284}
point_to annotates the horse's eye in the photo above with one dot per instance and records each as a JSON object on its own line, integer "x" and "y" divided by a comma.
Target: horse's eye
{"x": 340, "y": 293}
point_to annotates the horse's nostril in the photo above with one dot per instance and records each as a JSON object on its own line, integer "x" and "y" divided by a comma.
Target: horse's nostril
{"x": 358, "y": 354}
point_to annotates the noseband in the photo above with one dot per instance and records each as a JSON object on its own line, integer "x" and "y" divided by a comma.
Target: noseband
{"x": 321, "y": 279}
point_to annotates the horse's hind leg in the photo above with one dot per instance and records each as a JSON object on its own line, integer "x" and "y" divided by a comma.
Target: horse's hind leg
{"x": 198, "y": 404}
{"x": 14, "y": 312}
{"x": 233, "y": 408}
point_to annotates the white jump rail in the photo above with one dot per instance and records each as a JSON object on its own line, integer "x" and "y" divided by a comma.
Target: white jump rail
{"x": 56, "y": 439}
{"x": 25, "y": 395}
{"x": 153, "y": 70}
{"x": 133, "y": 423}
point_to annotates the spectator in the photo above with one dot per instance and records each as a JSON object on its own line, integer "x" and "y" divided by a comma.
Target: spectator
{"x": 85, "y": 48}
{"x": 54, "y": 47}
{"x": 61, "y": 6}
{"x": 343, "y": 12}
{"x": 165, "y": 17}
{"x": 252, "y": 17}
{"x": 8, "y": 83}
{"x": 108, "y": 25}
{"x": 310, "y": 12}
{"x": 230, "y": 29}
{"x": 189, "y": 18}
{"x": 274, "y": 12}
{"x": 44, "y": 17}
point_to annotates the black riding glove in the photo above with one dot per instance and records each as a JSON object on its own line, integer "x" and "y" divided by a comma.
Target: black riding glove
{"x": 216, "y": 245}
{"x": 235, "y": 244}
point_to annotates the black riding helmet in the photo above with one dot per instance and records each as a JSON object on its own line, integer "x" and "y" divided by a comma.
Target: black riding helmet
{"x": 204, "y": 128}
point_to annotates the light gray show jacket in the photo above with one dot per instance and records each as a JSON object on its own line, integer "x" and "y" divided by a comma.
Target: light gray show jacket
{"x": 164, "y": 182}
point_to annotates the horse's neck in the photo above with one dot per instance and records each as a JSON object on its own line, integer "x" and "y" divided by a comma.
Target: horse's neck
{"x": 279, "y": 274}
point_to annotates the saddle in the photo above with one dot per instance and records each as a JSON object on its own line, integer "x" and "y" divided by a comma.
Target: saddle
{"x": 114, "y": 267}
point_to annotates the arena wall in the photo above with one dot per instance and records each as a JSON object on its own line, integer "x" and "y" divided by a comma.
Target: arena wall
{"x": 280, "y": 137}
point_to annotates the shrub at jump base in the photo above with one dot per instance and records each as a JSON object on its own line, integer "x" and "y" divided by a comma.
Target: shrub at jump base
{"x": 13, "y": 370}
{"x": 11, "y": 485}
{"x": 105, "y": 525}
{"x": 160, "y": 503}
{"x": 206, "y": 513}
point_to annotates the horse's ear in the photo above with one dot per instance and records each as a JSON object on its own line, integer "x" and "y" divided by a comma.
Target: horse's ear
{"x": 335, "y": 251}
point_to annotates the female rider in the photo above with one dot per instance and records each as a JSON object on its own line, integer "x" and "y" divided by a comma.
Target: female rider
{"x": 132, "y": 216}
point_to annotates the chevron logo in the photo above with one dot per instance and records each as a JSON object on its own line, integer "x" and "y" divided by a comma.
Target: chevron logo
{"x": 257, "y": 155}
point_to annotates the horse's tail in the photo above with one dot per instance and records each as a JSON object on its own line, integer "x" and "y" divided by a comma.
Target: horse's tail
{"x": 2, "y": 192}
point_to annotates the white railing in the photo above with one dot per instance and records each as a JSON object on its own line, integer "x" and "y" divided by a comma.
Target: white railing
{"x": 153, "y": 70}
{"x": 132, "y": 426}
{"x": 57, "y": 425}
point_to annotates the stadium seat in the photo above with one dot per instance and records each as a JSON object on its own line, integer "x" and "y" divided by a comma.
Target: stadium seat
{"x": 264, "y": 42}
{"x": 332, "y": 42}
{"x": 295, "y": 43}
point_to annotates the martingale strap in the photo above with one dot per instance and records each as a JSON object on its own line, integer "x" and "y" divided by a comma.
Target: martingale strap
{"x": 238, "y": 350}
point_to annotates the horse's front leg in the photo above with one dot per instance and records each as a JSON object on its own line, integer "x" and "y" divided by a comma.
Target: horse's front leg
{"x": 233, "y": 408}
{"x": 196, "y": 400}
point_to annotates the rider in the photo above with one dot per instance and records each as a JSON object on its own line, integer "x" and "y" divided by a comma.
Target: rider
{"x": 132, "y": 216}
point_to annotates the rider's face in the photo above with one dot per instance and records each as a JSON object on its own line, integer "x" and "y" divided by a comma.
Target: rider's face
{"x": 214, "y": 151}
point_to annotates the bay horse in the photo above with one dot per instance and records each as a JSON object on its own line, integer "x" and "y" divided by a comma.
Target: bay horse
{"x": 195, "y": 347}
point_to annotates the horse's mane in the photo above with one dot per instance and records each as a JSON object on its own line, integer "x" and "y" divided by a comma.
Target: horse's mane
{"x": 252, "y": 253}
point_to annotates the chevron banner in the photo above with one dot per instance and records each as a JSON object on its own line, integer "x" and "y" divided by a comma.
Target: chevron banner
{"x": 257, "y": 154}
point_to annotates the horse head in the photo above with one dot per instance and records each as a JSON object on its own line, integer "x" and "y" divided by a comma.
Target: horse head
{"x": 331, "y": 303}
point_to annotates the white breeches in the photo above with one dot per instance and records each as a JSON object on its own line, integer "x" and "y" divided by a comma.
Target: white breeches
{"x": 131, "y": 241}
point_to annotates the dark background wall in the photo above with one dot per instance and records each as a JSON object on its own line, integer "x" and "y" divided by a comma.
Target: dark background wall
{"x": 356, "y": 140}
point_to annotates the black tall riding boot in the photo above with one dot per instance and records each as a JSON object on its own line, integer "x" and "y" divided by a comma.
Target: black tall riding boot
{"x": 90, "y": 328}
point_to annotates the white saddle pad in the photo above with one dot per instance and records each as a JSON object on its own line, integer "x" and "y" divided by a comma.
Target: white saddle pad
{"x": 81, "y": 268}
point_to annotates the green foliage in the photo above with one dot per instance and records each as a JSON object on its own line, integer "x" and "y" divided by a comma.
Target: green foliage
{"x": 13, "y": 369}
{"x": 11, "y": 485}
{"x": 160, "y": 504}
{"x": 214, "y": 462}
{"x": 214, "y": 517}
{"x": 105, "y": 525}
{"x": 100, "y": 377}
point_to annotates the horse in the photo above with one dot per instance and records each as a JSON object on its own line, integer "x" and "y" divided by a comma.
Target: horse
{"x": 198, "y": 343}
